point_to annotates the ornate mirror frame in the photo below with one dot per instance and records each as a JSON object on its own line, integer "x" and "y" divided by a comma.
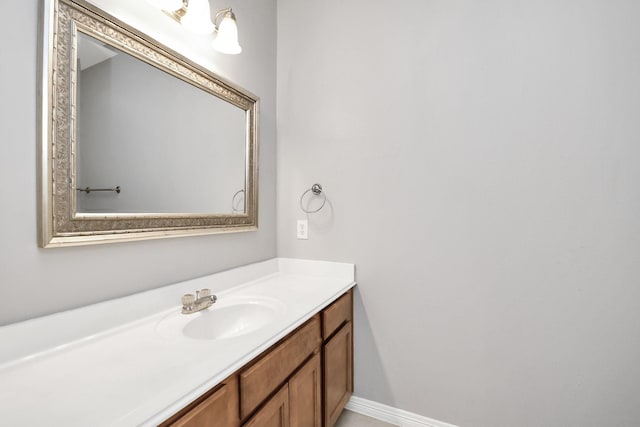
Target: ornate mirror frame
{"x": 60, "y": 224}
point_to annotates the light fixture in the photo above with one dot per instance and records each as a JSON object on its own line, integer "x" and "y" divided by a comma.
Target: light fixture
{"x": 167, "y": 4}
{"x": 226, "y": 40}
{"x": 195, "y": 16}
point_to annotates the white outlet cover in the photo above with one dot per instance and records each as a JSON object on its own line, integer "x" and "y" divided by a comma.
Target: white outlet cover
{"x": 302, "y": 229}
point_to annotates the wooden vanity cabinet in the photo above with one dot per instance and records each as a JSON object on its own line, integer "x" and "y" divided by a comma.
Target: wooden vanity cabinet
{"x": 304, "y": 380}
{"x": 337, "y": 357}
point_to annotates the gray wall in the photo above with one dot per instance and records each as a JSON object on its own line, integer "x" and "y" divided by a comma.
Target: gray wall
{"x": 36, "y": 281}
{"x": 481, "y": 159}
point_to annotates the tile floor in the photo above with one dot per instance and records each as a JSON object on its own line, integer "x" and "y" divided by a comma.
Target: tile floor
{"x": 351, "y": 419}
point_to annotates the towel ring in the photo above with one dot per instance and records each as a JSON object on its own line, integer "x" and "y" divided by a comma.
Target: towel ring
{"x": 316, "y": 190}
{"x": 234, "y": 202}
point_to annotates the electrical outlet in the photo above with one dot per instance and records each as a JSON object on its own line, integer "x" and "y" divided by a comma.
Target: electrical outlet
{"x": 302, "y": 229}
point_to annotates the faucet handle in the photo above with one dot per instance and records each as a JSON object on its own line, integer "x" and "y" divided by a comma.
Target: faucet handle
{"x": 205, "y": 292}
{"x": 188, "y": 300}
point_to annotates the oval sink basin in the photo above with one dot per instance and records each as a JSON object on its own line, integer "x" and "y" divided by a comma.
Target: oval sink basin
{"x": 228, "y": 318}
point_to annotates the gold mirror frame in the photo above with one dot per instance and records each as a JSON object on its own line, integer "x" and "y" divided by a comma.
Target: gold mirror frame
{"x": 60, "y": 224}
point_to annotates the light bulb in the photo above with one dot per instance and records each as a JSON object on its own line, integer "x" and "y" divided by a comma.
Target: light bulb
{"x": 198, "y": 17}
{"x": 226, "y": 40}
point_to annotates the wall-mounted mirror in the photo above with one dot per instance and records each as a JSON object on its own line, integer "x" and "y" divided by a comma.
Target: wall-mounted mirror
{"x": 137, "y": 141}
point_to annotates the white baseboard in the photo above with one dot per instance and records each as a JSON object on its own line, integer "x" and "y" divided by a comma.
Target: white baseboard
{"x": 391, "y": 415}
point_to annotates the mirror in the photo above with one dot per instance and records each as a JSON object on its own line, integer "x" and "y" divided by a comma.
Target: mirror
{"x": 188, "y": 155}
{"x": 137, "y": 141}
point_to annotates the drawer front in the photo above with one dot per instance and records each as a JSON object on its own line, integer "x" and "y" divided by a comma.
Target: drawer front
{"x": 261, "y": 379}
{"x": 337, "y": 314}
{"x": 220, "y": 409}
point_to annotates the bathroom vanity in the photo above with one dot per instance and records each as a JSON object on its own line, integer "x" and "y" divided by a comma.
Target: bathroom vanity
{"x": 276, "y": 349}
{"x": 301, "y": 380}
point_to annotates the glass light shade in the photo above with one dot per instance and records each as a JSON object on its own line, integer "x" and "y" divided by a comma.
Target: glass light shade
{"x": 167, "y": 4}
{"x": 226, "y": 40}
{"x": 198, "y": 17}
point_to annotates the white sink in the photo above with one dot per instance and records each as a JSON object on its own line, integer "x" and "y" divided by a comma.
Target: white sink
{"x": 229, "y": 317}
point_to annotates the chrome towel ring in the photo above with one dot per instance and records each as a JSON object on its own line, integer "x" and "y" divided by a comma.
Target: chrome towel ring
{"x": 316, "y": 190}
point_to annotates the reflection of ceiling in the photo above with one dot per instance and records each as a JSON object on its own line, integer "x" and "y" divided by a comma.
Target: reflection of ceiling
{"x": 92, "y": 52}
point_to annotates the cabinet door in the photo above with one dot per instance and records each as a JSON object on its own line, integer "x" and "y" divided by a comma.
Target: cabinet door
{"x": 338, "y": 373}
{"x": 275, "y": 413}
{"x": 305, "y": 395}
{"x": 220, "y": 409}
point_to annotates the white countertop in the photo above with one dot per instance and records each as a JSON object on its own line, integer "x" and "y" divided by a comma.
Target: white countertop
{"x": 107, "y": 364}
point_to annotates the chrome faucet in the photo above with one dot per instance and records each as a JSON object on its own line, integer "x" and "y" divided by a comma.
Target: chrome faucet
{"x": 202, "y": 299}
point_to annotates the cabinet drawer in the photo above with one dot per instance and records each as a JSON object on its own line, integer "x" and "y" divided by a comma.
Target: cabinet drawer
{"x": 337, "y": 314}
{"x": 220, "y": 409}
{"x": 260, "y": 380}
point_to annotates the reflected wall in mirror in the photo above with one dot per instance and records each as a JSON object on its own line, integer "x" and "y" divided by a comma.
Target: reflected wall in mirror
{"x": 170, "y": 146}
{"x": 137, "y": 141}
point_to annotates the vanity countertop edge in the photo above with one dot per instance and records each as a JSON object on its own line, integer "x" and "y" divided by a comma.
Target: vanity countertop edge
{"x": 105, "y": 364}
